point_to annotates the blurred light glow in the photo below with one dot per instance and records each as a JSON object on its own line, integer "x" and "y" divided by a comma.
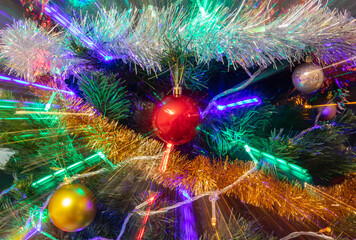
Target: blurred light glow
{"x": 165, "y": 158}
{"x": 60, "y": 173}
{"x": 242, "y": 103}
{"x": 55, "y": 13}
{"x": 66, "y": 202}
{"x": 18, "y": 81}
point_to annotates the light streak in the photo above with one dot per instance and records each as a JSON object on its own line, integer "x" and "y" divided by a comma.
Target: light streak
{"x": 150, "y": 201}
{"x": 295, "y": 170}
{"x": 186, "y": 219}
{"x": 165, "y": 158}
{"x": 312, "y": 234}
{"x": 22, "y": 118}
{"x": 241, "y": 103}
{"x": 60, "y": 173}
{"x": 67, "y": 23}
{"x": 48, "y": 105}
{"x": 179, "y": 204}
{"x": 52, "y": 113}
{"x": 19, "y": 81}
{"x": 326, "y": 105}
{"x": 330, "y": 197}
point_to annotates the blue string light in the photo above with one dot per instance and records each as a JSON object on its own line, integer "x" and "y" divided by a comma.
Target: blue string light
{"x": 242, "y": 103}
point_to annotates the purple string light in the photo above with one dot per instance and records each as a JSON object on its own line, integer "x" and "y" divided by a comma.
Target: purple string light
{"x": 56, "y": 14}
{"x": 187, "y": 220}
{"x": 19, "y": 81}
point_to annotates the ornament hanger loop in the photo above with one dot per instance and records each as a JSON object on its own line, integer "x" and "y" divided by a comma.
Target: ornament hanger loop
{"x": 177, "y": 78}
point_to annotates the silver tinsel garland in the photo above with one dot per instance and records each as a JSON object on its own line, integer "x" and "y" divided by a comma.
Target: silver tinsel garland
{"x": 248, "y": 36}
{"x": 30, "y": 51}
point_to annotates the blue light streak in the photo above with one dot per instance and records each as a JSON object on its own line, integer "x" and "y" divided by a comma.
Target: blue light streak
{"x": 66, "y": 23}
{"x": 242, "y": 103}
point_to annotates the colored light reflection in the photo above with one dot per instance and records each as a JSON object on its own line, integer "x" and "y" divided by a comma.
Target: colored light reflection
{"x": 186, "y": 219}
{"x": 66, "y": 202}
{"x": 242, "y": 103}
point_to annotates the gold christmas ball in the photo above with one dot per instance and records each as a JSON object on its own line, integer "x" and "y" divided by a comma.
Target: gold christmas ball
{"x": 72, "y": 207}
{"x": 308, "y": 77}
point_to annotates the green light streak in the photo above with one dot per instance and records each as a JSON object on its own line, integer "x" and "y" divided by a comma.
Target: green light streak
{"x": 27, "y": 135}
{"x": 76, "y": 164}
{"x": 157, "y": 96}
{"x": 48, "y": 105}
{"x": 41, "y": 180}
{"x": 342, "y": 74}
{"x": 60, "y": 173}
{"x": 282, "y": 161}
{"x": 290, "y": 168}
{"x": 48, "y": 235}
{"x": 32, "y": 108}
{"x": 248, "y": 150}
{"x": 13, "y": 118}
{"x": 8, "y": 107}
{"x": 27, "y": 108}
{"x": 106, "y": 160}
{"x": 65, "y": 171}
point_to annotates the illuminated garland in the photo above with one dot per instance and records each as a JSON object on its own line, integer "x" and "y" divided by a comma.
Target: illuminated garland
{"x": 249, "y": 36}
{"x": 202, "y": 174}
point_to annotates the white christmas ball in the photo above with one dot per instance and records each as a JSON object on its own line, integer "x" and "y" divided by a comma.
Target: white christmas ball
{"x": 308, "y": 77}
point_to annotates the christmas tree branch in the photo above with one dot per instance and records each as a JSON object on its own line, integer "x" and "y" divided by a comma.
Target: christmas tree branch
{"x": 202, "y": 174}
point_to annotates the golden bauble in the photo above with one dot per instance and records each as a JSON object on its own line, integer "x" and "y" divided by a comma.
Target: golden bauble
{"x": 72, "y": 207}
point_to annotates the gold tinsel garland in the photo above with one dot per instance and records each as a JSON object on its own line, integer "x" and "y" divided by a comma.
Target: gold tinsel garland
{"x": 203, "y": 174}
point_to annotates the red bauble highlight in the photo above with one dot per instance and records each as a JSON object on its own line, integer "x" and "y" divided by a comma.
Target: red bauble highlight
{"x": 175, "y": 119}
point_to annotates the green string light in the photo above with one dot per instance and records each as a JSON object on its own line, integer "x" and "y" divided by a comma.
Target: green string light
{"x": 48, "y": 105}
{"x": 74, "y": 168}
{"x": 289, "y": 168}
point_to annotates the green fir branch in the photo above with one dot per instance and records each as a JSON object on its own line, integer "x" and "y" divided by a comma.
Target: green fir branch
{"x": 107, "y": 94}
{"x": 228, "y": 133}
{"x": 323, "y": 149}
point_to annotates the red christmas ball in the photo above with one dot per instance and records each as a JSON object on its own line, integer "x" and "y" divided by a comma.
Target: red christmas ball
{"x": 175, "y": 119}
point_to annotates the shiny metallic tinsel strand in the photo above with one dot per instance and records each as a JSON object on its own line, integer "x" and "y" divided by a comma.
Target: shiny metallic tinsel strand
{"x": 248, "y": 36}
{"x": 30, "y": 51}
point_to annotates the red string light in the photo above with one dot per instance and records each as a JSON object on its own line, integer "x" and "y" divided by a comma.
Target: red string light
{"x": 165, "y": 158}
